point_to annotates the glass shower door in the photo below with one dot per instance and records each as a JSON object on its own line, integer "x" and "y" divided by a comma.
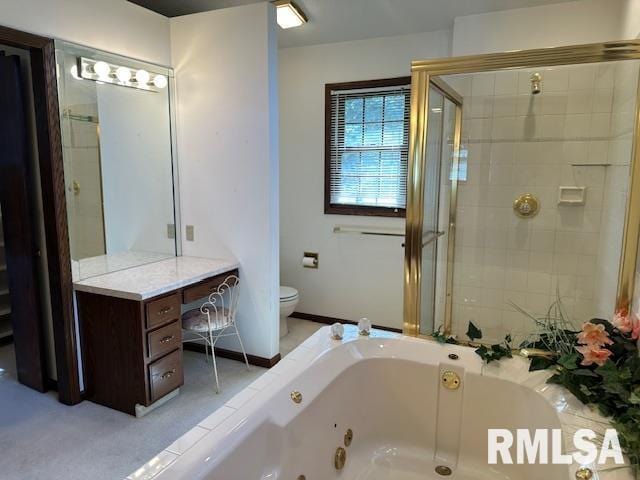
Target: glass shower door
{"x": 439, "y": 176}
{"x": 432, "y": 191}
{"x": 430, "y": 226}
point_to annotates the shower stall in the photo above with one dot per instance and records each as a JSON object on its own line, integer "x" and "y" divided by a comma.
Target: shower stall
{"x": 523, "y": 190}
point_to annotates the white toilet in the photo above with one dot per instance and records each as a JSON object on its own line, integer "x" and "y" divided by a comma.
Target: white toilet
{"x": 288, "y": 301}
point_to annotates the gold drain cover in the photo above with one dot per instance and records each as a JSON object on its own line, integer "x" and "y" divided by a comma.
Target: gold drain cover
{"x": 444, "y": 471}
{"x": 451, "y": 380}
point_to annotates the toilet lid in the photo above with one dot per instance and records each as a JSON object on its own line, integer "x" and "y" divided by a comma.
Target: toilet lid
{"x": 287, "y": 293}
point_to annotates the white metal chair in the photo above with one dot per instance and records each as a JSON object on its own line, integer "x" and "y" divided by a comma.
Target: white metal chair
{"x": 216, "y": 318}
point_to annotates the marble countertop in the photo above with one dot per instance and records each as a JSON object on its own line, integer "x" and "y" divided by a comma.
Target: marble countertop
{"x": 103, "y": 264}
{"x": 153, "y": 279}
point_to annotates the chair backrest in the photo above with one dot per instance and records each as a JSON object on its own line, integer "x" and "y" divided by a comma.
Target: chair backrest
{"x": 224, "y": 304}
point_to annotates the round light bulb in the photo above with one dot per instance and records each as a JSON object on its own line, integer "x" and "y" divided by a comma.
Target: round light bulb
{"x": 74, "y": 72}
{"x": 160, "y": 81}
{"x": 142, "y": 77}
{"x": 123, "y": 74}
{"x": 102, "y": 69}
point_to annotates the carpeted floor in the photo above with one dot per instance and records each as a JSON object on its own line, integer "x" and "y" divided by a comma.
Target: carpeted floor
{"x": 40, "y": 438}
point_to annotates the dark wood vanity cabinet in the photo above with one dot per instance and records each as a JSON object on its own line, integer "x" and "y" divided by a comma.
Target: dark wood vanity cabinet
{"x": 132, "y": 350}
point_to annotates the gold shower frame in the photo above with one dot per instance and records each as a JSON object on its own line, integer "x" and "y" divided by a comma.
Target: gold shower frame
{"x": 424, "y": 74}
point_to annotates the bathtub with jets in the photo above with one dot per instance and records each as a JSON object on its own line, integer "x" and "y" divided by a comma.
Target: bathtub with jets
{"x": 380, "y": 407}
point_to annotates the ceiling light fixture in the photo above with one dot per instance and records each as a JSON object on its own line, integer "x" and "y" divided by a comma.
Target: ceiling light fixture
{"x": 289, "y": 15}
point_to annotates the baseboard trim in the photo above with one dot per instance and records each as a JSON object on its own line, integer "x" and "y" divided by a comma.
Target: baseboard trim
{"x": 51, "y": 384}
{"x": 331, "y": 320}
{"x": 224, "y": 353}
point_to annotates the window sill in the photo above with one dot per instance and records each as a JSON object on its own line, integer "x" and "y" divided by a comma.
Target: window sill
{"x": 364, "y": 211}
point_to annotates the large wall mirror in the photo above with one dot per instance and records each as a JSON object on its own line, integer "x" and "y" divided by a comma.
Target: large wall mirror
{"x": 119, "y": 165}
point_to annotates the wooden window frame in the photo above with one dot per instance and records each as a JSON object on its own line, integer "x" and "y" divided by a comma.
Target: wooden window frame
{"x": 333, "y": 209}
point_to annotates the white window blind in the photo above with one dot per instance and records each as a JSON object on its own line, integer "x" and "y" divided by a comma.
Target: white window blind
{"x": 369, "y": 141}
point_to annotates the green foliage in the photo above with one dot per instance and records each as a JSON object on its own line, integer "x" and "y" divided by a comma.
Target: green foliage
{"x": 613, "y": 388}
{"x": 490, "y": 353}
{"x": 541, "y": 363}
{"x": 494, "y": 352}
{"x": 473, "y": 332}
{"x": 554, "y": 331}
{"x": 442, "y": 338}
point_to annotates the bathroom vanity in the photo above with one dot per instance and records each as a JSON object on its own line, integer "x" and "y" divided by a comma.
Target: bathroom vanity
{"x": 130, "y": 331}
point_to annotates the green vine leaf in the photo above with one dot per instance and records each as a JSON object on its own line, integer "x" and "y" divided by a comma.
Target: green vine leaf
{"x": 584, "y": 389}
{"x": 540, "y": 363}
{"x": 473, "y": 332}
{"x": 569, "y": 361}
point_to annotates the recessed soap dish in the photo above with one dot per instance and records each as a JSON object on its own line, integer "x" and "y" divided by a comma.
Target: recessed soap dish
{"x": 571, "y": 195}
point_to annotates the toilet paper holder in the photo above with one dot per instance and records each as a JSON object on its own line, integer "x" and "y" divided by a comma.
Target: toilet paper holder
{"x": 310, "y": 260}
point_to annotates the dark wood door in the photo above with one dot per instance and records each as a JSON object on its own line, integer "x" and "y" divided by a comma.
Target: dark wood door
{"x": 17, "y": 225}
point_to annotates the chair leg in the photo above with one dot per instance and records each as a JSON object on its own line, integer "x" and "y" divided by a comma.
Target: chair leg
{"x": 206, "y": 352}
{"x": 213, "y": 359}
{"x": 246, "y": 360}
{"x": 215, "y": 370}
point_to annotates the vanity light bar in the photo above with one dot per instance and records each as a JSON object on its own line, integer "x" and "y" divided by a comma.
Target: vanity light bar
{"x": 101, "y": 71}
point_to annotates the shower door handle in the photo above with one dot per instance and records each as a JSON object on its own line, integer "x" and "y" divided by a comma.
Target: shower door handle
{"x": 430, "y": 237}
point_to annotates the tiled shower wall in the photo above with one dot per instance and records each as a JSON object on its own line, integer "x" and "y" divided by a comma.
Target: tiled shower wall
{"x": 616, "y": 185}
{"x": 520, "y": 143}
{"x": 82, "y": 165}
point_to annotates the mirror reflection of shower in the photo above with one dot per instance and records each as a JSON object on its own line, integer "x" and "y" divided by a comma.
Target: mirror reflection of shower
{"x": 536, "y": 83}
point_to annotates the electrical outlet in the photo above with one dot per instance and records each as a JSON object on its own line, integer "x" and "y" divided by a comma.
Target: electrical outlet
{"x": 190, "y": 234}
{"x": 171, "y": 231}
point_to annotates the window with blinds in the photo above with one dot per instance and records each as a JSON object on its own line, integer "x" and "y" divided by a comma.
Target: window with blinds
{"x": 367, "y": 147}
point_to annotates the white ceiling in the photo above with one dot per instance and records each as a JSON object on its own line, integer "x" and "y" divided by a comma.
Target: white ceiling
{"x": 342, "y": 20}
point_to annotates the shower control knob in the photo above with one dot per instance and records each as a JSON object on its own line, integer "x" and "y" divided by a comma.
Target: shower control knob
{"x": 526, "y": 206}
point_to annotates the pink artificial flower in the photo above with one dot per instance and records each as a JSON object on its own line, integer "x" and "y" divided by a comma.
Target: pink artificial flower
{"x": 635, "y": 330}
{"x": 623, "y": 322}
{"x": 593, "y": 334}
{"x": 594, "y": 354}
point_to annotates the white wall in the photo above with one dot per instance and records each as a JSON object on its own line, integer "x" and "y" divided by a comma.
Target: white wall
{"x": 225, "y": 66}
{"x": 569, "y": 23}
{"x": 631, "y": 19}
{"x": 358, "y": 276}
{"x": 115, "y": 25}
{"x": 137, "y": 180}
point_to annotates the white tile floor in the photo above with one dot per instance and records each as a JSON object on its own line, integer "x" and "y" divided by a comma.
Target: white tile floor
{"x": 41, "y": 438}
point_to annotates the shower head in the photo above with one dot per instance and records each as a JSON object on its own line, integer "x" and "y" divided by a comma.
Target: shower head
{"x": 536, "y": 83}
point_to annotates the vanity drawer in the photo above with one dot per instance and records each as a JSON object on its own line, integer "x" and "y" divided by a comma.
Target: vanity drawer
{"x": 164, "y": 339}
{"x": 163, "y": 310}
{"x": 165, "y": 375}
{"x": 204, "y": 289}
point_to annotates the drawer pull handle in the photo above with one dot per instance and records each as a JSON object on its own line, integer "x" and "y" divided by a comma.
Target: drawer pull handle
{"x": 168, "y": 374}
{"x": 167, "y": 339}
{"x": 165, "y": 310}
